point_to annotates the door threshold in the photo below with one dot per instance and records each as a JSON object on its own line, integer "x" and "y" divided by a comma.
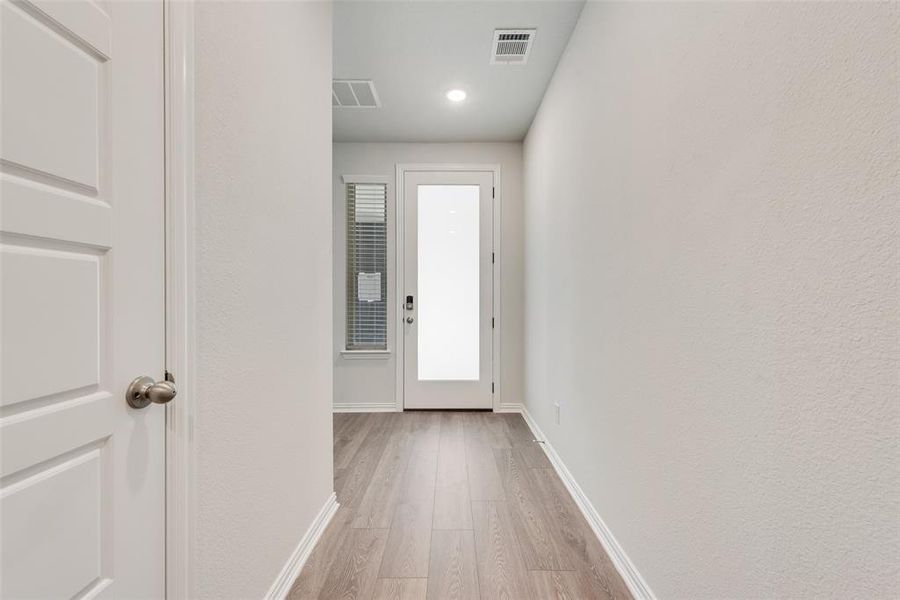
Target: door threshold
{"x": 485, "y": 410}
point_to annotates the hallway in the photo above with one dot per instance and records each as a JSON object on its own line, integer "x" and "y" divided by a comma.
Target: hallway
{"x": 451, "y": 505}
{"x": 591, "y": 299}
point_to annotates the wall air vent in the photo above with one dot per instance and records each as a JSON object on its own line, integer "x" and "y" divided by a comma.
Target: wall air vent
{"x": 354, "y": 93}
{"x": 512, "y": 46}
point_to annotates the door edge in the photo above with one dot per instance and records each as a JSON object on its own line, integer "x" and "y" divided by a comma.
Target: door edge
{"x": 178, "y": 77}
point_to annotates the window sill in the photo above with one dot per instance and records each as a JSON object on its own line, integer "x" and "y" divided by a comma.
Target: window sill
{"x": 366, "y": 354}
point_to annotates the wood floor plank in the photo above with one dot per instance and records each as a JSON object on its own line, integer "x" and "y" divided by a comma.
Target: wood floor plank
{"x": 419, "y": 479}
{"x": 523, "y": 440}
{"x": 517, "y": 428}
{"x": 556, "y": 585}
{"x": 338, "y": 422}
{"x": 452, "y": 509}
{"x": 452, "y": 574}
{"x": 376, "y": 509}
{"x": 597, "y": 575}
{"x": 533, "y": 454}
{"x": 400, "y": 589}
{"x": 409, "y": 542}
{"x": 356, "y": 477}
{"x": 354, "y": 569}
{"x": 501, "y": 570}
{"x": 494, "y": 429}
{"x": 533, "y": 525}
{"x": 453, "y": 423}
{"x": 484, "y": 478}
{"x": 340, "y": 477}
{"x": 350, "y": 438}
{"x": 312, "y": 578}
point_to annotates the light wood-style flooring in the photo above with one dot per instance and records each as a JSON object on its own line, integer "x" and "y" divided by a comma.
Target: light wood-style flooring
{"x": 455, "y": 505}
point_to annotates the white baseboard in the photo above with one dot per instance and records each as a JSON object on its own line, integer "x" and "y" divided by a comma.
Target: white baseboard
{"x": 294, "y": 565}
{"x": 636, "y": 584}
{"x": 362, "y": 407}
{"x": 510, "y": 407}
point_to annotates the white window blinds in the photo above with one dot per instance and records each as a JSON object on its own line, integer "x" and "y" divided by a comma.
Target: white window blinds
{"x": 366, "y": 266}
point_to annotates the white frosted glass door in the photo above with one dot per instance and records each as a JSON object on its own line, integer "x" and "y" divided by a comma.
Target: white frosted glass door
{"x": 448, "y": 283}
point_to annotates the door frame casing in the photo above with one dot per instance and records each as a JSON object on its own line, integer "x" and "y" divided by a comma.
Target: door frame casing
{"x": 496, "y": 242}
{"x": 181, "y": 511}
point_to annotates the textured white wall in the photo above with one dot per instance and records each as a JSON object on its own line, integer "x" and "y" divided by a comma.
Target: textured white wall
{"x": 263, "y": 287}
{"x": 712, "y": 291}
{"x": 372, "y": 381}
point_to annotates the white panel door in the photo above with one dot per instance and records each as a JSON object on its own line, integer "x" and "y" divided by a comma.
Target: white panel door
{"x": 82, "y": 494}
{"x": 448, "y": 298}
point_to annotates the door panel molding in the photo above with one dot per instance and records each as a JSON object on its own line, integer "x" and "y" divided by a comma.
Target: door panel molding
{"x": 399, "y": 255}
{"x": 49, "y": 135}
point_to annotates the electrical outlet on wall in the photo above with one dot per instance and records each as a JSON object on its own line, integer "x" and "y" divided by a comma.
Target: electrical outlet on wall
{"x": 556, "y": 412}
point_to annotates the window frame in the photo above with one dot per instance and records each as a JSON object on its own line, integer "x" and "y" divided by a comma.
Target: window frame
{"x": 382, "y": 351}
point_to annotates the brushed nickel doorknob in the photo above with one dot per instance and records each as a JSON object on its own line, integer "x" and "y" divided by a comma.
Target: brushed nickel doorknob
{"x": 409, "y": 320}
{"x": 144, "y": 390}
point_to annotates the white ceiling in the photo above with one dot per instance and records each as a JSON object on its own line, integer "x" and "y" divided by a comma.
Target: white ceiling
{"x": 417, "y": 50}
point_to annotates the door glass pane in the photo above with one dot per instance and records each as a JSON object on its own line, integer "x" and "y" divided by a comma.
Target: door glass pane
{"x": 448, "y": 282}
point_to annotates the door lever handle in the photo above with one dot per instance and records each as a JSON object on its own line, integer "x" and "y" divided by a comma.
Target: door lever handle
{"x": 144, "y": 390}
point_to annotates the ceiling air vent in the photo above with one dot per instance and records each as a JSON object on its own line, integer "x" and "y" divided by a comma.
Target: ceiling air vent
{"x": 354, "y": 93}
{"x": 512, "y": 46}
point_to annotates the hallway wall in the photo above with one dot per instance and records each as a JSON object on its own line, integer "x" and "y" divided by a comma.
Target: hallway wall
{"x": 263, "y": 295}
{"x": 372, "y": 381}
{"x": 712, "y": 291}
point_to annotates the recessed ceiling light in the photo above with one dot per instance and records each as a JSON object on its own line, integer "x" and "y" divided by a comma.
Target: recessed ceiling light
{"x": 456, "y": 95}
